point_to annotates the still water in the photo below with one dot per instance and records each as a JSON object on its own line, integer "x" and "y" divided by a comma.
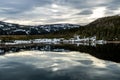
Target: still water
{"x": 61, "y": 62}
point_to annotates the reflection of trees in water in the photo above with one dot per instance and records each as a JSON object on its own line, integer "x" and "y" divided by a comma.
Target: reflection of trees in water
{"x": 106, "y": 51}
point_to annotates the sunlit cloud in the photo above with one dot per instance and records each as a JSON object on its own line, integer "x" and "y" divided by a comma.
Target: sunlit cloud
{"x": 98, "y": 12}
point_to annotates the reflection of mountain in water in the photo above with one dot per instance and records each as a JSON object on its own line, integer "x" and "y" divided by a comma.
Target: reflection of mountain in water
{"x": 106, "y": 51}
{"x": 40, "y": 48}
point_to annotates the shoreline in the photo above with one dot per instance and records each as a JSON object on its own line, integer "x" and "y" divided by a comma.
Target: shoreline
{"x": 113, "y": 42}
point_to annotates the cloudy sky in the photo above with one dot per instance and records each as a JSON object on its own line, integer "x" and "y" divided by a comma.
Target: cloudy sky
{"x": 34, "y": 12}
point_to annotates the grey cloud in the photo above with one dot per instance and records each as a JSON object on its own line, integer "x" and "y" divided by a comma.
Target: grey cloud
{"x": 16, "y": 9}
{"x": 85, "y": 12}
{"x": 85, "y": 4}
{"x": 19, "y": 6}
{"x": 114, "y": 5}
{"x": 81, "y": 4}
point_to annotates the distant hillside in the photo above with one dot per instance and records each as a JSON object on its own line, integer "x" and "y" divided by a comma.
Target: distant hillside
{"x": 16, "y": 29}
{"x": 107, "y": 28}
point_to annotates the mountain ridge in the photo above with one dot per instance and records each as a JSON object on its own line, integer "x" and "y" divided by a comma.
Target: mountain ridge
{"x": 16, "y": 29}
{"x": 105, "y": 28}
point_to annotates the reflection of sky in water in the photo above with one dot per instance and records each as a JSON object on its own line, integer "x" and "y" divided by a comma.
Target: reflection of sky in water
{"x": 36, "y": 65}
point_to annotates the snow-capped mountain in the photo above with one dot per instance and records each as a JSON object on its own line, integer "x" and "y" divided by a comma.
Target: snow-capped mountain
{"x": 16, "y": 29}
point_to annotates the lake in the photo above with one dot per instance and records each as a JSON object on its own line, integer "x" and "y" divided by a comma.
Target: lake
{"x": 60, "y": 62}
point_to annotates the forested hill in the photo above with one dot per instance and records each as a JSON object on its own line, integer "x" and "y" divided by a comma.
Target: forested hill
{"x": 106, "y": 28}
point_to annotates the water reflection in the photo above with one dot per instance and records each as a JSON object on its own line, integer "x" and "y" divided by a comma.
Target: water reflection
{"x": 47, "y": 65}
{"x": 106, "y": 51}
